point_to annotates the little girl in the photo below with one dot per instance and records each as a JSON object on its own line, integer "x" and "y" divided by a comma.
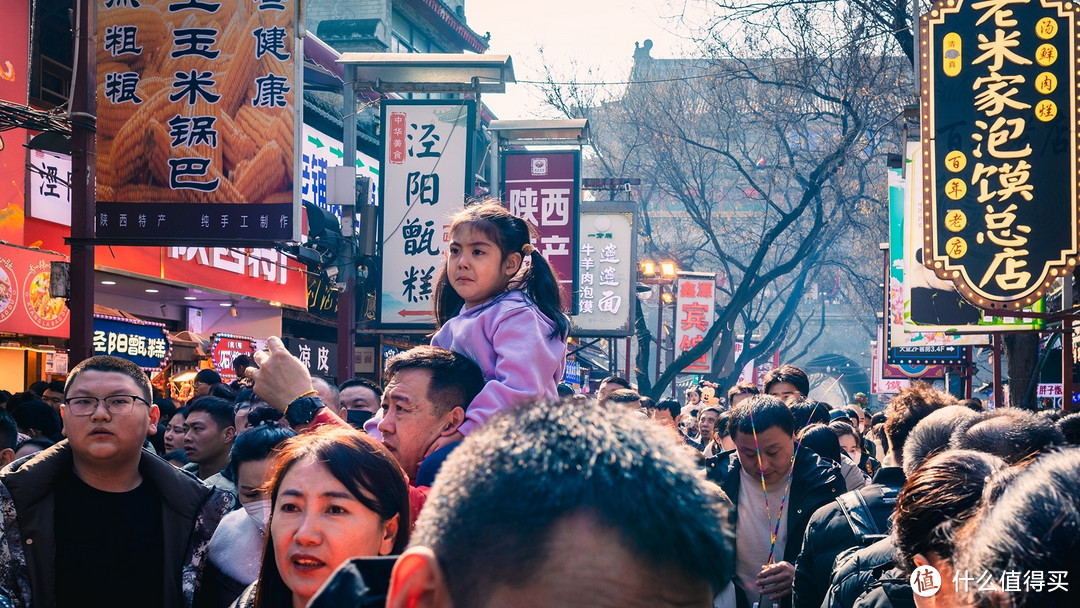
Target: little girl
{"x": 503, "y": 315}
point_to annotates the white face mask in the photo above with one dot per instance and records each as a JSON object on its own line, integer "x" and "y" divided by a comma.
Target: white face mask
{"x": 259, "y": 510}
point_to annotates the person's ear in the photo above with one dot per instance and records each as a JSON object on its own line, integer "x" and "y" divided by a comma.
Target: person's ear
{"x": 230, "y": 433}
{"x": 457, "y": 417}
{"x": 390, "y": 530}
{"x": 155, "y": 415}
{"x": 417, "y": 581}
{"x": 920, "y": 560}
{"x": 343, "y": 413}
{"x": 512, "y": 263}
{"x": 7, "y": 455}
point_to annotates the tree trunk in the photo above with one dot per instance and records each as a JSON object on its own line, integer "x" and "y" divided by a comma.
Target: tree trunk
{"x": 1021, "y": 357}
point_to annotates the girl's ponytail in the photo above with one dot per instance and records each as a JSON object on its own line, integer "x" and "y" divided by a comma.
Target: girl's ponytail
{"x": 542, "y": 285}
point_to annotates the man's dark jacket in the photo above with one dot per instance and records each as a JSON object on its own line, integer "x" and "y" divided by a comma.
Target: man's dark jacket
{"x": 829, "y": 533}
{"x": 869, "y": 577}
{"x": 814, "y": 482}
{"x": 191, "y": 512}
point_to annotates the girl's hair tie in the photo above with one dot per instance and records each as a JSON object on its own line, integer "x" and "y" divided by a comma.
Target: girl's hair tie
{"x": 527, "y": 249}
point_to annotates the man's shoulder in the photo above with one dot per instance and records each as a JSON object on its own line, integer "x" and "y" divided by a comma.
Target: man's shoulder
{"x": 31, "y": 478}
{"x": 719, "y": 468}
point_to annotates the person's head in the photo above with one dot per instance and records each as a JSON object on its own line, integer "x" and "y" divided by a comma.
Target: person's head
{"x": 693, "y": 395}
{"x": 505, "y": 525}
{"x": 624, "y": 398}
{"x": 665, "y": 412}
{"x": 808, "y": 411}
{"x": 1070, "y": 428}
{"x": 932, "y": 507}
{"x": 426, "y": 398}
{"x": 1034, "y": 526}
{"x": 741, "y": 390}
{"x": 240, "y": 365}
{"x": 973, "y": 404}
{"x": 108, "y": 413}
{"x": 328, "y": 393}
{"x": 177, "y": 458}
{"x": 821, "y": 440}
{"x": 936, "y": 500}
{"x": 335, "y": 494}
{"x": 611, "y": 384}
{"x": 763, "y": 428}
{"x": 204, "y": 381}
{"x": 841, "y": 416}
{"x": 32, "y": 446}
{"x": 9, "y": 438}
{"x": 932, "y": 435}
{"x": 484, "y": 258}
{"x": 250, "y": 461}
{"x": 222, "y": 391}
{"x": 564, "y": 390}
{"x": 707, "y": 422}
{"x": 861, "y": 418}
{"x": 245, "y": 401}
{"x": 37, "y": 419}
{"x": 359, "y": 399}
{"x": 786, "y": 382}
{"x": 1010, "y": 433}
{"x": 54, "y": 395}
{"x": 907, "y": 408}
{"x": 209, "y": 432}
{"x": 850, "y": 440}
{"x": 38, "y": 388}
{"x": 174, "y": 431}
{"x": 860, "y": 399}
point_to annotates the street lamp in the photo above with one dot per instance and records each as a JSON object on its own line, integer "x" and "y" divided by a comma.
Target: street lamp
{"x": 660, "y": 274}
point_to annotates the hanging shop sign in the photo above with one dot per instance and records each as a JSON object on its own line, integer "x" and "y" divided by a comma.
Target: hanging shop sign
{"x": 25, "y": 304}
{"x": 607, "y": 267}
{"x": 695, "y": 311}
{"x": 225, "y": 348}
{"x": 319, "y": 152}
{"x": 925, "y": 310}
{"x": 999, "y": 115}
{"x": 144, "y": 343}
{"x": 320, "y": 358}
{"x": 197, "y": 117}
{"x": 49, "y": 194}
{"x": 544, "y": 190}
{"x": 425, "y": 173}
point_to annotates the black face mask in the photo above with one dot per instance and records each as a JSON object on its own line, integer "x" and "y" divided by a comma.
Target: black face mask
{"x": 357, "y": 418}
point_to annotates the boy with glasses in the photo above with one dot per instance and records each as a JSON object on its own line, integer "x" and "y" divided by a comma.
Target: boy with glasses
{"x": 96, "y": 504}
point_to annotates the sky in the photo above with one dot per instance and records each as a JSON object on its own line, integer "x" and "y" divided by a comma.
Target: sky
{"x": 576, "y": 35}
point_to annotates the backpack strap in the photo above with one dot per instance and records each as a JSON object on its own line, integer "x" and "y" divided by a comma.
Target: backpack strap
{"x": 859, "y": 518}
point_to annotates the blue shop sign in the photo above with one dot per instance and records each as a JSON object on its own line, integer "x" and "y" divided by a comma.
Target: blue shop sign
{"x": 143, "y": 343}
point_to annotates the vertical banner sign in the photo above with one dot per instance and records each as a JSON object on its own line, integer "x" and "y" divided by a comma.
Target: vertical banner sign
{"x": 197, "y": 116}
{"x": 544, "y": 190}
{"x": 999, "y": 115}
{"x": 695, "y": 310}
{"x": 13, "y": 88}
{"x": 425, "y": 173}
{"x": 880, "y": 385}
{"x": 607, "y": 278}
{"x": 49, "y": 192}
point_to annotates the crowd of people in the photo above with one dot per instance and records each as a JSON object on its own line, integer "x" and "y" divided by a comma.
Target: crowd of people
{"x": 473, "y": 477}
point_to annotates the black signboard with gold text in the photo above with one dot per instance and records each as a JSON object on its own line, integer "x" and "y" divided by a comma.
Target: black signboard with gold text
{"x": 999, "y": 117}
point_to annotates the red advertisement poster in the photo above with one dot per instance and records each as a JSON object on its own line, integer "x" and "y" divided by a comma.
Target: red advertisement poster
{"x": 25, "y": 304}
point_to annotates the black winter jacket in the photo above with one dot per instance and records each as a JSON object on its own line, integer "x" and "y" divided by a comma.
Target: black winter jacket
{"x": 814, "y": 482}
{"x": 829, "y": 533}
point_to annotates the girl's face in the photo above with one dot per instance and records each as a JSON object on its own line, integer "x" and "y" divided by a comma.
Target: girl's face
{"x": 849, "y": 445}
{"x": 318, "y": 524}
{"x": 174, "y": 434}
{"x": 475, "y": 266}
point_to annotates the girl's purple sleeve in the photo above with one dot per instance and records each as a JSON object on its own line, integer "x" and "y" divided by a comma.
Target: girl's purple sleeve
{"x": 528, "y": 365}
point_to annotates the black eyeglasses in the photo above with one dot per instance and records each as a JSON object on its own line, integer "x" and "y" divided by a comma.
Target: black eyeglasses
{"x": 115, "y": 404}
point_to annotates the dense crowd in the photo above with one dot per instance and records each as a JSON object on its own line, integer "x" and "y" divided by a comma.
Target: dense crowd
{"x": 472, "y": 477}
